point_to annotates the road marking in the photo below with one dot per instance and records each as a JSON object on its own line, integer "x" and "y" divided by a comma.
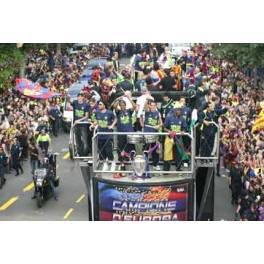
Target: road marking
{"x": 64, "y": 149}
{"x": 80, "y": 198}
{"x": 29, "y": 187}
{"x": 8, "y": 203}
{"x": 57, "y": 166}
{"x": 68, "y": 213}
{"x": 66, "y": 155}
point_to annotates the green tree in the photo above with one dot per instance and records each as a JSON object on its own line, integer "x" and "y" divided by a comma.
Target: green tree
{"x": 10, "y": 61}
{"x": 244, "y": 54}
{"x": 13, "y": 58}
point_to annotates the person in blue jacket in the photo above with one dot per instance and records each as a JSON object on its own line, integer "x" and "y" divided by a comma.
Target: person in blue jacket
{"x": 140, "y": 57}
{"x": 16, "y": 154}
{"x": 207, "y": 118}
{"x": 105, "y": 121}
{"x": 175, "y": 124}
{"x": 124, "y": 124}
{"x": 80, "y": 114}
{"x": 151, "y": 121}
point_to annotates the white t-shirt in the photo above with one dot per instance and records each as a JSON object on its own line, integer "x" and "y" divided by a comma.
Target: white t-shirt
{"x": 128, "y": 103}
{"x": 165, "y": 64}
{"x": 141, "y": 103}
{"x": 194, "y": 115}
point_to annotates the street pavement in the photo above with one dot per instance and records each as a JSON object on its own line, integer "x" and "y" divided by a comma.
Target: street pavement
{"x": 16, "y": 203}
{"x": 223, "y": 209}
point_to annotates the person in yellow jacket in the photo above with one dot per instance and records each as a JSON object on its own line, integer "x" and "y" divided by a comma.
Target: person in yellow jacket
{"x": 44, "y": 140}
{"x": 178, "y": 73}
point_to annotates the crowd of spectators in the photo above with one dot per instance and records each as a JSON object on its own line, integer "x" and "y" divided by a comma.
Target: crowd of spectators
{"x": 22, "y": 118}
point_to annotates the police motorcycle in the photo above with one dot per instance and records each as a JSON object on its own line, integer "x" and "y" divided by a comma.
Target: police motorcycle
{"x": 45, "y": 178}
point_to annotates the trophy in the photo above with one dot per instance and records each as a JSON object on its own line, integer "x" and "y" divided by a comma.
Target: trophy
{"x": 139, "y": 165}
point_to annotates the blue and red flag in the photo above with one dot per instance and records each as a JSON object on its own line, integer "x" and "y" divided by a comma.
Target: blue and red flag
{"x": 34, "y": 90}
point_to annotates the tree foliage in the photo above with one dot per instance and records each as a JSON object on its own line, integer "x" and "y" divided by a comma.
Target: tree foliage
{"x": 13, "y": 58}
{"x": 244, "y": 54}
{"x": 10, "y": 61}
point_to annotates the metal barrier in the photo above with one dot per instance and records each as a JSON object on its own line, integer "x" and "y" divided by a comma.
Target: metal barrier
{"x": 200, "y": 144}
{"x": 143, "y": 144}
{"x": 206, "y": 144}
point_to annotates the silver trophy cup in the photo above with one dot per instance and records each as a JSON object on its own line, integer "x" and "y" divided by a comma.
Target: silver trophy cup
{"x": 139, "y": 165}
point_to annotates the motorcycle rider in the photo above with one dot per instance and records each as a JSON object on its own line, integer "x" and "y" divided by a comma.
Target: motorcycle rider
{"x": 47, "y": 161}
